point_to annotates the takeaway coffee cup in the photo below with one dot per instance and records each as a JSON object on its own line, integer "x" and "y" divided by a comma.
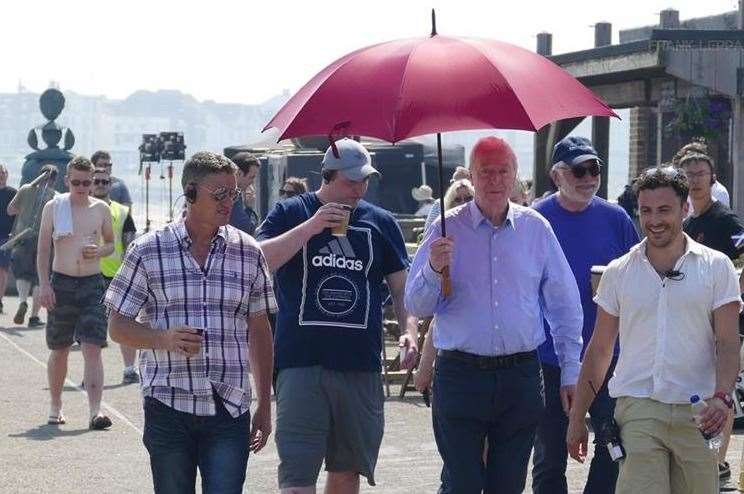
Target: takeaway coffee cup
{"x": 201, "y": 332}
{"x": 340, "y": 230}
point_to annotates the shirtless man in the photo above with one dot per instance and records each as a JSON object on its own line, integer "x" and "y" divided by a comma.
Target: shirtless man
{"x": 73, "y": 293}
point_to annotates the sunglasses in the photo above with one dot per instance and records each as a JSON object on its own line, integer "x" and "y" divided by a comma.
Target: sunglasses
{"x": 101, "y": 181}
{"x": 78, "y": 183}
{"x": 594, "y": 169}
{"x": 287, "y": 193}
{"x": 221, "y": 193}
{"x": 462, "y": 199}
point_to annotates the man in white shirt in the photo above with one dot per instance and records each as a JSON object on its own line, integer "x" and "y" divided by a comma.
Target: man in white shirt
{"x": 674, "y": 304}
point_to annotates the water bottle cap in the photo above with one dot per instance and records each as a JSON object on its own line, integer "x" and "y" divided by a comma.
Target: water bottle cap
{"x": 694, "y": 399}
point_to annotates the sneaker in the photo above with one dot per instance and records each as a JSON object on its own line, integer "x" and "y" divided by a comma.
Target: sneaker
{"x": 20, "y": 314}
{"x": 724, "y": 471}
{"x": 35, "y": 322}
{"x": 130, "y": 377}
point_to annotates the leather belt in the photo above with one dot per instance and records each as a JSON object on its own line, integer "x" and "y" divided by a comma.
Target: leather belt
{"x": 485, "y": 362}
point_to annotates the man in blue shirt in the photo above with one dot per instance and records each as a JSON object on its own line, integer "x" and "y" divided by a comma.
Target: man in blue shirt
{"x": 507, "y": 271}
{"x": 243, "y": 217}
{"x": 591, "y": 231}
{"x": 329, "y": 325}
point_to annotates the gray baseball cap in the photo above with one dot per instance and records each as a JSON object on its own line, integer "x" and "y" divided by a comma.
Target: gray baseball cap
{"x": 353, "y": 161}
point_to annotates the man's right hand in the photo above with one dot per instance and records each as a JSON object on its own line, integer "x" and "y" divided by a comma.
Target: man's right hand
{"x": 422, "y": 378}
{"x": 327, "y": 216}
{"x": 46, "y": 296}
{"x": 181, "y": 339}
{"x": 577, "y": 439}
{"x": 441, "y": 253}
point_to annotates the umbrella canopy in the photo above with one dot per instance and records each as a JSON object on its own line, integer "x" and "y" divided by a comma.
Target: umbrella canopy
{"x": 411, "y": 87}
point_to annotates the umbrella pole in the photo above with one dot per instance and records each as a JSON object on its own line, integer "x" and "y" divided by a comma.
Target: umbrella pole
{"x": 446, "y": 282}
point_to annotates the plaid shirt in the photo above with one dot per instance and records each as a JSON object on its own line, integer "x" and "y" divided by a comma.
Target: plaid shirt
{"x": 161, "y": 282}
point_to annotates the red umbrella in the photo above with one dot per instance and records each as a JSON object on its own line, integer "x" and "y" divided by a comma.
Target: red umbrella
{"x": 412, "y": 87}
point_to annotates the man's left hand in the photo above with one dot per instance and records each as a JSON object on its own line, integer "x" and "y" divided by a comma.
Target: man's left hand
{"x": 410, "y": 361}
{"x": 91, "y": 252}
{"x": 567, "y": 392}
{"x": 260, "y": 427}
{"x": 714, "y": 416}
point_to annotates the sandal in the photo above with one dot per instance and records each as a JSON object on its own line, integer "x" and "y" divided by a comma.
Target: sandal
{"x": 99, "y": 423}
{"x": 58, "y": 419}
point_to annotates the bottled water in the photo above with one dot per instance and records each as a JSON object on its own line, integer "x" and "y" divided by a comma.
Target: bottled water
{"x": 698, "y": 405}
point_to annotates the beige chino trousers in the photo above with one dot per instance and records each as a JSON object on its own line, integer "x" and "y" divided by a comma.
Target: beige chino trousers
{"x": 665, "y": 452}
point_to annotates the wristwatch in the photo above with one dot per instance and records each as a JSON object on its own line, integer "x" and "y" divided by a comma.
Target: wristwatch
{"x": 725, "y": 398}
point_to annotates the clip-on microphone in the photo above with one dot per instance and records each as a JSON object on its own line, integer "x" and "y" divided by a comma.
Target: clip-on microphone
{"x": 674, "y": 275}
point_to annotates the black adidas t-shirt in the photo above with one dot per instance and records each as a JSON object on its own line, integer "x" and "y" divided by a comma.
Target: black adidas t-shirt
{"x": 329, "y": 294}
{"x": 717, "y": 228}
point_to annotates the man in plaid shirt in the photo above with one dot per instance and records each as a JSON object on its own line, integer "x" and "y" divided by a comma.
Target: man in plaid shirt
{"x": 194, "y": 297}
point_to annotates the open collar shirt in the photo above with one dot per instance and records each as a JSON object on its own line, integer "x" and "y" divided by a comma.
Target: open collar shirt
{"x": 667, "y": 341}
{"x": 162, "y": 285}
{"x": 505, "y": 279}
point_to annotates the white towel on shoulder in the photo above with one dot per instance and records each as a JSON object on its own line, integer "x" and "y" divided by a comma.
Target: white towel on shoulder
{"x": 62, "y": 216}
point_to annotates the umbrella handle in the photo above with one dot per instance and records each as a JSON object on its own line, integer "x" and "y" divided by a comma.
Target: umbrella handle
{"x": 446, "y": 282}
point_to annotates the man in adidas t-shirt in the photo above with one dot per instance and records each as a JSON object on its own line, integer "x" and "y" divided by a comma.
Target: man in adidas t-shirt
{"x": 329, "y": 325}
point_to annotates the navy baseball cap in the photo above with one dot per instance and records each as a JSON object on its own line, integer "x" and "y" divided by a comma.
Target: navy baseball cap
{"x": 574, "y": 151}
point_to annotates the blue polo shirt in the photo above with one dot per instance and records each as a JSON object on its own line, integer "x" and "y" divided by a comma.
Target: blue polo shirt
{"x": 592, "y": 237}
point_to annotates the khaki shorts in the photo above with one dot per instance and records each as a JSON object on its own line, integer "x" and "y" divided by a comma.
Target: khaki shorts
{"x": 336, "y": 416}
{"x": 665, "y": 452}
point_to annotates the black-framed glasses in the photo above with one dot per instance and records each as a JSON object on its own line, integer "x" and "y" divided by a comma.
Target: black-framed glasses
{"x": 78, "y": 183}
{"x": 593, "y": 169}
{"x": 101, "y": 181}
{"x": 287, "y": 193}
{"x": 696, "y": 175}
{"x": 221, "y": 193}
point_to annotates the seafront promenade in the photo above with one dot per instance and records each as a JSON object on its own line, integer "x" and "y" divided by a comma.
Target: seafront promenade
{"x": 39, "y": 458}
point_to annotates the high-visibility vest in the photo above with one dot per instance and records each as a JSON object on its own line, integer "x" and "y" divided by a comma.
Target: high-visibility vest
{"x": 110, "y": 264}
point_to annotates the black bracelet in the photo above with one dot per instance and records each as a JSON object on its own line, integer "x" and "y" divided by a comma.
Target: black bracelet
{"x": 432, "y": 268}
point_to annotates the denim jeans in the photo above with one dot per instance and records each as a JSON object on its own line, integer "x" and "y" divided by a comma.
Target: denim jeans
{"x": 178, "y": 442}
{"x": 473, "y": 405}
{"x": 549, "y": 469}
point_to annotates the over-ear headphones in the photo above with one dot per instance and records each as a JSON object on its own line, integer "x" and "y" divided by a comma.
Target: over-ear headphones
{"x": 190, "y": 193}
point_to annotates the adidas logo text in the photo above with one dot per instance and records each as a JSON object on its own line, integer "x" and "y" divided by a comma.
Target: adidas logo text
{"x": 334, "y": 261}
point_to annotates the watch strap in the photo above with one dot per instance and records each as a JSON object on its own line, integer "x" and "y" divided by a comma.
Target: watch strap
{"x": 725, "y": 398}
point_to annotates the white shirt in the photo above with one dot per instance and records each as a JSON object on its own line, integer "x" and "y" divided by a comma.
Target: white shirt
{"x": 667, "y": 344}
{"x": 720, "y": 194}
